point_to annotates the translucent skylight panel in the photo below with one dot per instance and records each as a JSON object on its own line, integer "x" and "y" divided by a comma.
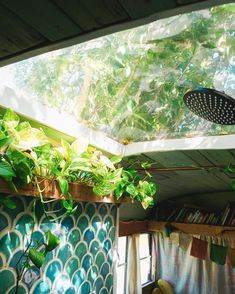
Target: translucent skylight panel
{"x": 130, "y": 84}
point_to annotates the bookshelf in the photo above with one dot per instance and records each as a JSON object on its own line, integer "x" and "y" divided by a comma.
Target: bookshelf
{"x": 184, "y": 213}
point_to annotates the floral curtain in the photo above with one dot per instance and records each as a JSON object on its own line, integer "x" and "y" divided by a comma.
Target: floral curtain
{"x": 190, "y": 275}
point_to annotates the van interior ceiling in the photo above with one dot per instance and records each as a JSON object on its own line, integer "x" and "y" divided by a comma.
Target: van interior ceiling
{"x": 117, "y": 153}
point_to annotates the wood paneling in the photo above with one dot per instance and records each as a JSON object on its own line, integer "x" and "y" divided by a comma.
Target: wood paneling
{"x": 44, "y": 17}
{"x": 15, "y": 35}
{"x": 90, "y": 14}
{"x": 141, "y": 8}
{"x": 192, "y": 183}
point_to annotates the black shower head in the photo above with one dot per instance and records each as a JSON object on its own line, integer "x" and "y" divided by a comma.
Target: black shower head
{"x": 211, "y": 105}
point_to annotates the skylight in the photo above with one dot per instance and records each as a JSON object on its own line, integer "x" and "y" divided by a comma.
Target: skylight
{"x": 130, "y": 85}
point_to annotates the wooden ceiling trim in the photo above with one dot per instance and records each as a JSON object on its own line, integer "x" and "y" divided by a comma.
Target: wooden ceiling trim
{"x": 44, "y": 17}
{"x": 218, "y": 157}
{"x": 15, "y": 34}
{"x": 141, "y": 8}
{"x": 197, "y": 157}
{"x": 91, "y": 15}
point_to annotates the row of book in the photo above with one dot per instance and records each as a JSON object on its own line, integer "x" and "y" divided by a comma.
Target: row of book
{"x": 196, "y": 215}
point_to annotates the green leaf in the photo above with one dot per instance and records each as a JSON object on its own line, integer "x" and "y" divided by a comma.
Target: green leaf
{"x": 229, "y": 168}
{"x": 118, "y": 192}
{"x": 64, "y": 185}
{"x": 233, "y": 185}
{"x": 69, "y": 205}
{"x": 27, "y": 265}
{"x": 6, "y": 171}
{"x": 29, "y": 137}
{"x": 131, "y": 172}
{"x": 153, "y": 187}
{"x": 146, "y": 165}
{"x": 10, "y": 119}
{"x": 132, "y": 190}
{"x": 7, "y": 202}
{"x": 36, "y": 257}
{"x": 116, "y": 159}
{"x": 52, "y": 242}
{"x": 147, "y": 202}
{"x": 5, "y": 142}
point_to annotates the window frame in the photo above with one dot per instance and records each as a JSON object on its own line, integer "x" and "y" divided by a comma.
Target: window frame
{"x": 124, "y": 263}
{"x": 150, "y": 256}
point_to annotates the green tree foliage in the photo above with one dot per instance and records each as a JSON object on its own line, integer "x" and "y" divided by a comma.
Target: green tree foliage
{"x": 131, "y": 84}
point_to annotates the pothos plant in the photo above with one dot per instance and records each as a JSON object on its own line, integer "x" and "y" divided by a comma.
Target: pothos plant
{"x": 27, "y": 155}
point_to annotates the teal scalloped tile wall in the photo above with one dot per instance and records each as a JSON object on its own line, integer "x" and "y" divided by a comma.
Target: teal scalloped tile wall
{"x": 82, "y": 264}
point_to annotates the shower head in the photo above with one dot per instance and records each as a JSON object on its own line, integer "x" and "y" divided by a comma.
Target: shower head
{"x": 211, "y": 105}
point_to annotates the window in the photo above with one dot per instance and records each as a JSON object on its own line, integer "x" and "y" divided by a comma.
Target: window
{"x": 145, "y": 261}
{"x": 122, "y": 265}
{"x": 145, "y": 252}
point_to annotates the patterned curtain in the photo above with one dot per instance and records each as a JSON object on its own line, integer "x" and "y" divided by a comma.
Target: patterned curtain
{"x": 190, "y": 275}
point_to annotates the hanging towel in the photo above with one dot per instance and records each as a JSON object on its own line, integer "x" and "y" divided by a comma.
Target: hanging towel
{"x": 175, "y": 238}
{"x": 199, "y": 248}
{"x": 232, "y": 256}
{"x": 184, "y": 241}
{"x": 168, "y": 229}
{"x": 218, "y": 254}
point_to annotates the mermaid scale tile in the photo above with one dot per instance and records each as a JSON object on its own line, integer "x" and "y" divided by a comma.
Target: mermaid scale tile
{"x": 41, "y": 287}
{"x": 21, "y": 290}
{"x": 64, "y": 253}
{"x": 81, "y": 250}
{"x": 98, "y": 284}
{"x": 102, "y": 235}
{"x": 93, "y": 274}
{"x": 7, "y": 280}
{"x": 74, "y": 237}
{"x": 96, "y": 223}
{"x": 94, "y": 247}
{"x": 87, "y": 262}
{"x": 88, "y": 236}
{"x": 8, "y": 243}
{"x": 90, "y": 210}
{"x": 85, "y": 288}
{"x": 4, "y": 222}
{"x": 105, "y": 269}
{"x": 72, "y": 265}
{"x": 78, "y": 278}
{"x": 61, "y": 283}
{"x": 103, "y": 210}
{"x": 67, "y": 224}
{"x": 53, "y": 269}
{"x": 82, "y": 223}
{"x": 82, "y": 263}
{"x": 100, "y": 259}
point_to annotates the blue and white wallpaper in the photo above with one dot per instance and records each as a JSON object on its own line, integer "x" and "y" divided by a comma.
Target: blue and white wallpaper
{"x": 82, "y": 264}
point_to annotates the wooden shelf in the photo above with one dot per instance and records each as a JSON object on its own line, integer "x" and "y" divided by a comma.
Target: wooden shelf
{"x": 132, "y": 227}
{"x": 195, "y": 229}
{"x": 138, "y": 227}
{"x": 52, "y": 191}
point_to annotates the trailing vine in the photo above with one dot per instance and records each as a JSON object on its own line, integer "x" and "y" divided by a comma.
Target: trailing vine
{"x": 27, "y": 155}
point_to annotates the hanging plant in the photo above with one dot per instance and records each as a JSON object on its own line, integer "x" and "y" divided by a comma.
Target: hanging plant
{"x": 28, "y": 156}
